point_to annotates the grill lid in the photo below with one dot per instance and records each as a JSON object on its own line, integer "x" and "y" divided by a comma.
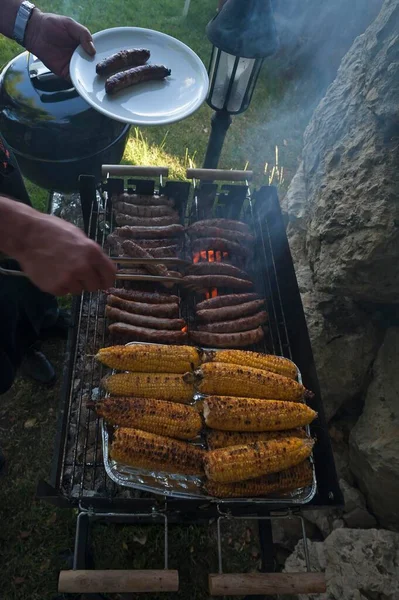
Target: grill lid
{"x": 43, "y": 117}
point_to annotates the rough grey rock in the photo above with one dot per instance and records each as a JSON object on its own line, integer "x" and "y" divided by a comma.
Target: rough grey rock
{"x": 288, "y": 532}
{"x": 344, "y": 338}
{"x": 374, "y": 441}
{"x": 296, "y": 561}
{"x": 343, "y": 229}
{"x": 353, "y": 497}
{"x": 360, "y": 518}
{"x": 355, "y": 510}
{"x": 350, "y": 158}
{"x": 326, "y": 520}
{"x": 340, "y": 448}
{"x": 359, "y": 564}
{"x": 344, "y": 342}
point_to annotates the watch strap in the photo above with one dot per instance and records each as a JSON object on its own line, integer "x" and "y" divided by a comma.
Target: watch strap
{"x": 22, "y": 19}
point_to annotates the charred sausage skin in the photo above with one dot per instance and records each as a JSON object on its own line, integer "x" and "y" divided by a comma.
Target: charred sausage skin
{"x": 131, "y": 333}
{"x": 134, "y": 76}
{"x": 124, "y": 59}
{"x": 228, "y": 340}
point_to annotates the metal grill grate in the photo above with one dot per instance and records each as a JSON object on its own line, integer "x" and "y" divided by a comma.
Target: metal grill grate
{"x": 79, "y": 473}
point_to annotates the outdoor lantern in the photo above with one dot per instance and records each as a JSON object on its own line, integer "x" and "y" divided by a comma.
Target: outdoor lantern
{"x": 243, "y": 34}
{"x": 232, "y": 81}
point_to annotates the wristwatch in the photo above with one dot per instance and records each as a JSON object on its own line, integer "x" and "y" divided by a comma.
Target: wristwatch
{"x": 23, "y": 15}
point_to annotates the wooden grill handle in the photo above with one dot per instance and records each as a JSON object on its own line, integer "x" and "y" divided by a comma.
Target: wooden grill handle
{"x": 219, "y": 175}
{"x": 134, "y": 171}
{"x": 117, "y": 581}
{"x": 265, "y": 584}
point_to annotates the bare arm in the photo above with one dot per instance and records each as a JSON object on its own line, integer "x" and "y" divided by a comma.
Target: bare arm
{"x": 52, "y": 38}
{"x": 56, "y": 255}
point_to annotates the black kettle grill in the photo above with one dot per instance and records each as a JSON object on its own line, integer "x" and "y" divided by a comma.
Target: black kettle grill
{"x": 53, "y": 132}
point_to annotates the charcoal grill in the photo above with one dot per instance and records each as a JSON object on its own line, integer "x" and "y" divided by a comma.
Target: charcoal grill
{"x": 78, "y": 477}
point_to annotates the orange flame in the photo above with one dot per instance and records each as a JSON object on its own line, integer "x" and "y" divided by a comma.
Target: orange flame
{"x": 203, "y": 255}
{"x": 185, "y": 329}
{"x": 211, "y": 256}
{"x": 211, "y": 294}
{"x": 196, "y": 257}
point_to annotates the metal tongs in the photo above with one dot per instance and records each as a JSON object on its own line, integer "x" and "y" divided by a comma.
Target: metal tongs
{"x": 121, "y": 260}
{"x": 163, "y": 279}
{"x": 127, "y": 261}
{"x": 130, "y": 262}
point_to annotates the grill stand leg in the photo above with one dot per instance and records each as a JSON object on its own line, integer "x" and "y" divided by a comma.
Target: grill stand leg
{"x": 266, "y": 583}
{"x": 83, "y": 577}
{"x": 83, "y": 558}
{"x": 266, "y": 551}
{"x": 266, "y": 546}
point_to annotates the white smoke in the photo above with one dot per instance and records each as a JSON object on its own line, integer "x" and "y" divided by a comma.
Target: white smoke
{"x": 314, "y": 37}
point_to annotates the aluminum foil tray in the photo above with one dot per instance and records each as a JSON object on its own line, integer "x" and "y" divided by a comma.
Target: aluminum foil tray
{"x": 188, "y": 486}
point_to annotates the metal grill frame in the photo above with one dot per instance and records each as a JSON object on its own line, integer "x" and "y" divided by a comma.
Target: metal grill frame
{"x": 287, "y": 322}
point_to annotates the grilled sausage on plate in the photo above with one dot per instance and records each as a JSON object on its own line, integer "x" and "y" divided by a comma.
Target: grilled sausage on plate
{"x": 122, "y": 60}
{"x": 125, "y": 79}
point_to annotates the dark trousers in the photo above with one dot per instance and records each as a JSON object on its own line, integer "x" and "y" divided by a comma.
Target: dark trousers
{"x": 24, "y": 309}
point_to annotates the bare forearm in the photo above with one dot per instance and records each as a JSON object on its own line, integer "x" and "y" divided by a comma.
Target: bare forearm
{"x": 15, "y": 221}
{"x": 54, "y": 254}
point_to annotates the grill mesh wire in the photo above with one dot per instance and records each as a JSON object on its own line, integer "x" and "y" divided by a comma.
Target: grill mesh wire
{"x": 82, "y": 469}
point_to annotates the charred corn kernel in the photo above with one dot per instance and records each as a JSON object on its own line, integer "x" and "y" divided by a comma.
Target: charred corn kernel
{"x": 152, "y": 415}
{"x": 245, "y": 358}
{"x": 145, "y": 450}
{"x": 252, "y": 414}
{"x": 284, "y": 481}
{"x": 164, "y": 386}
{"x": 150, "y": 358}
{"x": 232, "y": 380}
{"x": 224, "y": 439}
{"x": 238, "y": 463}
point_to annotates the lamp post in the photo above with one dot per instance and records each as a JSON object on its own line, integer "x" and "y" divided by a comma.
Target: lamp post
{"x": 243, "y": 34}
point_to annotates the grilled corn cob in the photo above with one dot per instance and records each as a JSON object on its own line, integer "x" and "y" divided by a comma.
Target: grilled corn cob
{"x": 164, "y": 386}
{"x": 245, "y": 358}
{"x": 150, "y": 358}
{"x": 284, "y": 481}
{"x": 238, "y": 463}
{"x": 152, "y": 415}
{"x": 224, "y": 439}
{"x": 149, "y": 451}
{"x": 225, "y": 379}
{"x": 252, "y": 414}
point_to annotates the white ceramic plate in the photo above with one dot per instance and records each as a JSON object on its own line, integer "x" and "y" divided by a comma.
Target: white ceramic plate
{"x": 150, "y": 103}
